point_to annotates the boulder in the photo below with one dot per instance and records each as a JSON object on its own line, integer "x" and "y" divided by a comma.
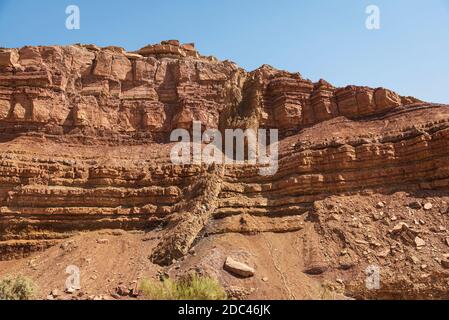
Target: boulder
{"x": 386, "y": 99}
{"x": 419, "y": 242}
{"x": 238, "y": 268}
{"x": 9, "y": 58}
{"x": 103, "y": 64}
{"x": 445, "y": 263}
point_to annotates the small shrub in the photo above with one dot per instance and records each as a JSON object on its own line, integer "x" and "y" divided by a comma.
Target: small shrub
{"x": 17, "y": 288}
{"x": 192, "y": 288}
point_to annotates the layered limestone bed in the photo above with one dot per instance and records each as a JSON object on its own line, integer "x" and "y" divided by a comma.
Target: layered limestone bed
{"x": 85, "y": 145}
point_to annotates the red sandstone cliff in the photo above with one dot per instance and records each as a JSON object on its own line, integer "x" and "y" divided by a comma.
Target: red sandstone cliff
{"x": 110, "y": 92}
{"x": 84, "y": 146}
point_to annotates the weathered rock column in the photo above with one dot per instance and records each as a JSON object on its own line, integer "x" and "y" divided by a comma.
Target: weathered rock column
{"x": 191, "y": 217}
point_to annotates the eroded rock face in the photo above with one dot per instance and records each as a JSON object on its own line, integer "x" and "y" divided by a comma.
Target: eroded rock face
{"x": 85, "y": 146}
{"x": 86, "y": 89}
{"x": 162, "y": 87}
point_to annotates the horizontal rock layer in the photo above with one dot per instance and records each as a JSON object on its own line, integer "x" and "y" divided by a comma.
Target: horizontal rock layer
{"x": 85, "y": 146}
{"x": 108, "y": 93}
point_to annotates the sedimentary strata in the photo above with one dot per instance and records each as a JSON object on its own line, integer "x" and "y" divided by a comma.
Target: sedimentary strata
{"x": 85, "y": 144}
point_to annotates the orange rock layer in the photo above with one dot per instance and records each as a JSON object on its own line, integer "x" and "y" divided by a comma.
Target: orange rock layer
{"x": 85, "y": 145}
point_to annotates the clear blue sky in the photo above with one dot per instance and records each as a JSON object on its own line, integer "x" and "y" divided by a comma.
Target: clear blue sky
{"x": 318, "y": 38}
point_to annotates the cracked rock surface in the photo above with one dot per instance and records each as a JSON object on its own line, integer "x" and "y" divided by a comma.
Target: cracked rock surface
{"x": 85, "y": 149}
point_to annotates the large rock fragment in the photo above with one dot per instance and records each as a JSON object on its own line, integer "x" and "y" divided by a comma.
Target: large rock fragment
{"x": 103, "y": 64}
{"x": 238, "y": 268}
{"x": 386, "y": 99}
{"x": 9, "y": 58}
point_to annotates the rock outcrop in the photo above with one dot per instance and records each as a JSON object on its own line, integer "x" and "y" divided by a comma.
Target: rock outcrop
{"x": 107, "y": 93}
{"x": 85, "y": 146}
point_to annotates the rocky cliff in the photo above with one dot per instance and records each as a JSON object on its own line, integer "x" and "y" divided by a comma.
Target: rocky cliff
{"x": 85, "y": 146}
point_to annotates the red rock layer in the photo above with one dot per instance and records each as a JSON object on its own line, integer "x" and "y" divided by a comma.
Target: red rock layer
{"x": 107, "y": 92}
{"x": 85, "y": 144}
